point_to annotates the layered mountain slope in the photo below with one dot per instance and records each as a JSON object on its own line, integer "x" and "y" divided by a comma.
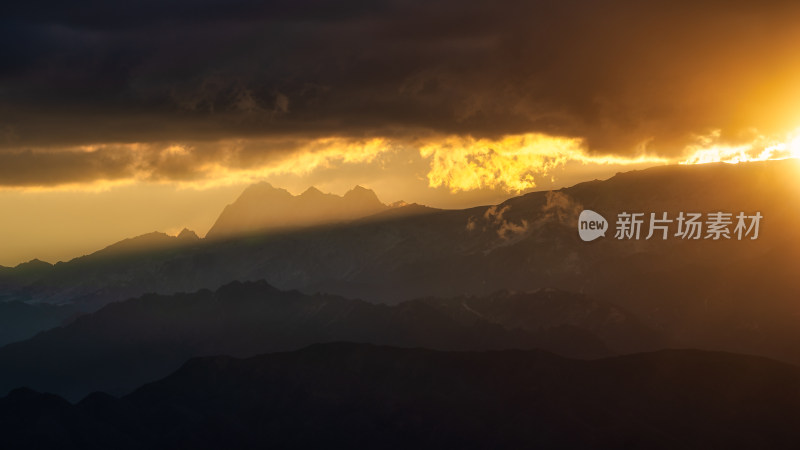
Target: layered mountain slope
{"x": 737, "y": 295}
{"x": 362, "y": 396}
{"x": 128, "y": 343}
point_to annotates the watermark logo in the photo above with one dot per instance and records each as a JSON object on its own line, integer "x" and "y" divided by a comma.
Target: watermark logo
{"x": 716, "y": 226}
{"x": 591, "y": 225}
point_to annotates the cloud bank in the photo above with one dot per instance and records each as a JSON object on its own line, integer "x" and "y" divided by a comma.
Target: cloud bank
{"x": 626, "y": 78}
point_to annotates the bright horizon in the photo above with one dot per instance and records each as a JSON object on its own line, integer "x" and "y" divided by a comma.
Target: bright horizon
{"x": 60, "y": 224}
{"x": 116, "y": 125}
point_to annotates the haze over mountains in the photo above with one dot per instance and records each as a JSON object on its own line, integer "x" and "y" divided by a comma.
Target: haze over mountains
{"x": 508, "y": 276}
{"x": 262, "y": 207}
{"x": 129, "y": 343}
{"x": 729, "y": 294}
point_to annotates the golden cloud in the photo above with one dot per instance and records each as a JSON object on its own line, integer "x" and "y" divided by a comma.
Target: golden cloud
{"x": 709, "y": 149}
{"x": 313, "y": 155}
{"x": 194, "y": 165}
{"x": 512, "y": 163}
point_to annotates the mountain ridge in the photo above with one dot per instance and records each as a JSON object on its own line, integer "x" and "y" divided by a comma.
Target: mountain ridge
{"x": 358, "y": 395}
{"x": 734, "y": 295}
{"x": 262, "y": 207}
{"x": 127, "y": 343}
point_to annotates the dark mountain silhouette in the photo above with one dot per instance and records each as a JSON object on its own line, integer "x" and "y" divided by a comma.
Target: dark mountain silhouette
{"x": 363, "y": 396}
{"x": 31, "y": 420}
{"x": 20, "y": 320}
{"x": 126, "y": 344}
{"x": 21, "y": 275}
{"x": 262, "y": 207}
{"x": 187, "y": 235}
{"x": 544, "y": 308}
{"x": 732, "y": 295}
{"x": 125, "y": 269}
{"x": 149, "y": 242}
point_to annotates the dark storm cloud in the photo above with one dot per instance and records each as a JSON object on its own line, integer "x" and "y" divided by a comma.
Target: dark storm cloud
{"x": 618, "y": 73}
{"x": 64, "y": 167}
{"x": 155, "y": 161}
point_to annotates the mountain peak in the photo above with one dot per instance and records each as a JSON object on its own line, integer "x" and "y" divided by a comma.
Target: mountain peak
{"x": 261, "y": 186}
{"x": 262, "y": 207}
{"x": 34, "y": 264}
{"x": 311, "y": 191}
{"x": 361, "y": 193}
{"x": 188, "y": 235}
{"x": 23, "y": 393}
{"x": 262, "y": 190}
{"x": 358, "y": 189}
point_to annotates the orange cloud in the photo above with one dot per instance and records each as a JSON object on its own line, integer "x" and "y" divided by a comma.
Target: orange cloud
{"x": 313, "y": 155}
{"x": 195, "y": 165}
{"x": 709, "y": 149}
{"x": 513, "y": 163}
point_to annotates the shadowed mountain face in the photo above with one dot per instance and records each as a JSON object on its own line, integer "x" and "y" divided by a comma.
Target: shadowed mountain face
{"x": 729, "y": 294}
{"x": 262, "y": 207}
{"x": 534, "y": 311}
{"x": 361, "y": 396}
{"x": 20, "y": 320}
{"x": 126, "y": 344}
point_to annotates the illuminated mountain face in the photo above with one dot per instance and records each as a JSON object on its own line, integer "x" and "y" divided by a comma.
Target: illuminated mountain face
{"x": 262, "y": 207}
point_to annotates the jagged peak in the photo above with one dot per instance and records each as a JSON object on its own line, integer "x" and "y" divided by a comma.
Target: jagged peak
{"x": 187, "y": 234}
{"x": 359, "y": 189}
{"x": 34, "y": 263}
{"x": 256, "y": 211}
{"x": 312, "y": 190}
{"x": 261, "y": 185}
{"x": 361, "y": 192}
{"x": 263, "y": 188}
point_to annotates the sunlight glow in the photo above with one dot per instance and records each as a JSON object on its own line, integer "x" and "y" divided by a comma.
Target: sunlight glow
{"x": 513, "y": 163}
{"x": 318, "y": 154}
{"x": 708, "y": 150}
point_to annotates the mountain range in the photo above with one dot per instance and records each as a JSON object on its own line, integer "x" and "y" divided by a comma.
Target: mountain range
{"x": 362, "y": 396}
{"x": 734, "y": 295}
{"x": 129, "y": 343}
{"x": 488, "y": 327}
{"x": 262, "y": 207}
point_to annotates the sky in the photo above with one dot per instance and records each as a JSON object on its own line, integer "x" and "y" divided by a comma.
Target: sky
{"x": 121, "y": 118}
